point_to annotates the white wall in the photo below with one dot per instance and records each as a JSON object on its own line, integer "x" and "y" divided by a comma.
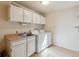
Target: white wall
{"x": 61, "y": 23}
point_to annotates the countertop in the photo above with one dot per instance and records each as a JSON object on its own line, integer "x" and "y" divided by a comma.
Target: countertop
{"x": 15, "y": 37}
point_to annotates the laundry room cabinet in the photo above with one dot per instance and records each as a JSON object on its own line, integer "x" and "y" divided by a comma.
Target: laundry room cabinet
{"x": 19, "y": 50}
{"x": 15, "y": 13}
{"x": 42, "y": 20}
{"x": 16, "y": 48}
{"x": 27, "y": 16}
{"x": 21, "y": 47}
{"x": 36, "y": 18}
{"x": 21, "y": 14}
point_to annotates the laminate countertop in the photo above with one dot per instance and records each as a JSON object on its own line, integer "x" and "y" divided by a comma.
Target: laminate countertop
{"x": 15, "y": 37}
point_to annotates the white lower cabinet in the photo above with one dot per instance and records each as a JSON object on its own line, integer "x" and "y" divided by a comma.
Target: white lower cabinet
{"x": 30, "y": 45}
{"x": 24, "y": 47}
{"x": 16, "y": 48}
{"x": 19, "y": 50}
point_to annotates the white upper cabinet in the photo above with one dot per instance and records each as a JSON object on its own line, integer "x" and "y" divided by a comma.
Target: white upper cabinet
{"x": 36, "y": 18}
{"x": 27, "y": 16}
{"x": 16, "y": 13}
{"x": 42, "y": 20}
{"x": 20, "y": 14}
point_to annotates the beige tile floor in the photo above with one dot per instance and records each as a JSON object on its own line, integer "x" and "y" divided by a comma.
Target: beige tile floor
{"x": 55, "y": 51}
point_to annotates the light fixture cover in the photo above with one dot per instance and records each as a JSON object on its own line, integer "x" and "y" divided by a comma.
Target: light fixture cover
{"x": 45, "y": 2}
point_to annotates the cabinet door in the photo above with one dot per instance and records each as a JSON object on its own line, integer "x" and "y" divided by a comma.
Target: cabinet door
{"x": 16, "y": 13}
{"x": 27, "y": 16}
{"x": 36, "y": 18}
{"x": 19, "y": 50}
{"x": 42, "y": 20}
{"x": 31, "y": 46}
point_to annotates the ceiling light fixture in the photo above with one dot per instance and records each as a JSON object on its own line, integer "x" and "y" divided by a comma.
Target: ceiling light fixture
{"x": 45, "y": 2}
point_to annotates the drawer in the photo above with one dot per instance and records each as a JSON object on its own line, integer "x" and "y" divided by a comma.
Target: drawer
{"x": 18, "y": 42}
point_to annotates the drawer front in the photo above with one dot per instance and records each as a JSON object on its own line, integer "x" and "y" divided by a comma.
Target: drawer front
{"x": 18, "y": 42}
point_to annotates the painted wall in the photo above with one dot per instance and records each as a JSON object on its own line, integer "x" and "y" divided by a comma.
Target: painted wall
{"x": 62, "y": 25}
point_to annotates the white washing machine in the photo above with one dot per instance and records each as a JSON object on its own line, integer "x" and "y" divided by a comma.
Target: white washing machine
{"x": 43, "y": 40}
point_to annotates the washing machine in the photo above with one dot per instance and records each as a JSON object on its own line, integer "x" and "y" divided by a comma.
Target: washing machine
{"x": 43, "y": 40}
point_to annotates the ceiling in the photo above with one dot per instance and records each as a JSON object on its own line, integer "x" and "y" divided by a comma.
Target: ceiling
{"x": 52, "y": 6}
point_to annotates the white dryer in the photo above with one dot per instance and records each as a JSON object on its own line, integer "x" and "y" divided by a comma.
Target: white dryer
{"x": 43, "y": 40}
